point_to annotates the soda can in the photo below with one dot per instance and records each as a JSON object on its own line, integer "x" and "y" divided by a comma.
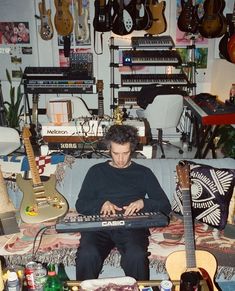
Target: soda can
{"x": 166, "y": 285}
{"x": 29, "y": 275}
{"x": 40, "y": 277}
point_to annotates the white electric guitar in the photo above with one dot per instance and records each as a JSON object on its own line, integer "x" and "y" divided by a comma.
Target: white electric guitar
{"x": 41, "y": 201}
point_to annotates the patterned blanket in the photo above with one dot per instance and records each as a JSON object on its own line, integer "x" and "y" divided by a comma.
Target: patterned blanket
{"x": 41, "y": 242}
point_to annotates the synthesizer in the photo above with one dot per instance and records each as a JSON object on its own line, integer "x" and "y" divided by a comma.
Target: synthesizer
{"x": 147, "y": 79}
{"x": 212, "y": 112}
{"x": 151, "y": 57}
{"x": 156, "y": 42}
{"x": 55, "y": 80}
{"x": 96, "y": 222}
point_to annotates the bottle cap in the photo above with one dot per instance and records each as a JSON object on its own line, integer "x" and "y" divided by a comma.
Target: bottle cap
{"x": 12, "y": 276}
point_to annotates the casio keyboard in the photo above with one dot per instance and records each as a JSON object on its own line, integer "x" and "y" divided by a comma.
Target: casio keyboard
{"x": 96, "y": 222}
{"x": 151, "y": 57}
{"x": 147, "y": 79}
{"x": 55, "y": 80}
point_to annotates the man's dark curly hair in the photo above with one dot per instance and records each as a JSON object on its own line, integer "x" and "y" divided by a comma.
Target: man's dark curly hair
{"x": 122, "y": 134}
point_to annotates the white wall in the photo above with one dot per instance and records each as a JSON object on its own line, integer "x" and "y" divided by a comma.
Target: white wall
{"x": 45, "y": 53}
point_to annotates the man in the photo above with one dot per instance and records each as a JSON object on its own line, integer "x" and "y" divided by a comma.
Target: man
{"x": 119, "y": 185}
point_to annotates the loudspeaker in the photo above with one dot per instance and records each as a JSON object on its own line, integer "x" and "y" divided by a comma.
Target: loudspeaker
{"x": 8, "y": 223}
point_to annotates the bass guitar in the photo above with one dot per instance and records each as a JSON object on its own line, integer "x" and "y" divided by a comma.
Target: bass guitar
{"x": 143, "y": 18}
{"x": 159, "y": 24}
{"x": 231, "y": 42}
{"x": 41, "y": 201}
{"x": 123, "y": 22}
{"x": 179, "y": 262}
{"x": 82, "y": 32}
{"x": 100, "y": 87}
{"x": 46, "y": 30}
{"x": 63, "y": 18}
{"x": 103, "y": 19}
{"x": 213, "y": 22}
{"x": 188, "y": 20}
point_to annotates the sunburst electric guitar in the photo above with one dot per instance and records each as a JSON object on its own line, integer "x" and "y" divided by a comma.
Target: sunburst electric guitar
{"x": 41, "y": 201}
{"x": 190, "y": 260}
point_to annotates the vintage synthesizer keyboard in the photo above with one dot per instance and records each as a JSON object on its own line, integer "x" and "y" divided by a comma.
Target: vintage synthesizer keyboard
{"x": 161, "y": 42}
{"x": 147, "y": 79}
{"x": 96, "y": 222}
{"x": 151, "y": 57}
{"x": 55, "y": 80}
{"x": 211, "y": 112}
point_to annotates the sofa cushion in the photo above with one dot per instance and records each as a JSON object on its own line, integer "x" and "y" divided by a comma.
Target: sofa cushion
{"x": 211, "y": 191}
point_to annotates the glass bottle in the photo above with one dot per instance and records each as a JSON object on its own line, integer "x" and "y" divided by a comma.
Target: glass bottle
{"x": 232, "y": 94}
{"x": 53, "y": 282}
{"x": 62, "y": 275}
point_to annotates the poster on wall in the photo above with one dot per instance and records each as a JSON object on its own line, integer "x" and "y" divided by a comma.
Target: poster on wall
{"x": 187, "y": 27}
{"x": 14, "y": 33}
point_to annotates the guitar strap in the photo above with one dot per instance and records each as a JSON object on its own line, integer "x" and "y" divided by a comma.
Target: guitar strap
{"x": 67, "y": 45}
{"x": 101, "y": 43}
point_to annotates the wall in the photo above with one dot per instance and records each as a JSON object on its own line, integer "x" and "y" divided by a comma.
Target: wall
{"x": 45, "y": 53}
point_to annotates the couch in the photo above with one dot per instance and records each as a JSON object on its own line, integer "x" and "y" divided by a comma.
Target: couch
{"x": 41, "y": 242}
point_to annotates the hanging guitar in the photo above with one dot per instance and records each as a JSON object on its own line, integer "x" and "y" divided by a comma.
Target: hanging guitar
{"x": 100, "y": 87}
{"x": 188, "y": 20}
{"x": 231, "y": 42}
{"x": 82, "y": 32}
{"x": 213, "y": 22}
{"x": 103, "y": 19}
{"x": 41, "y": 201}
{"x": 63, "y": 18}
{"x": 46, "y": 30}
{"x": 223, "y": 44}
{"x": 159, "y": 24}
{"x": 199, "y": 262}
{"x": 143, "y": 18}
{"x": 123, "y": 20}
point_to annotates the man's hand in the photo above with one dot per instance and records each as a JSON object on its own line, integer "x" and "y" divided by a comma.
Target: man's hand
{"x": 134, "y": 207}
{"x": 109, "y": 208}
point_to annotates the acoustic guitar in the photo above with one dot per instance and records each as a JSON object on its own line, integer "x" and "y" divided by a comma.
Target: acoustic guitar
{"x": 226, "y": 44}
{"x": 41, "y": 201}
{"x": 6, "y": 204}
{"x": 188, "y": 20}
{"x": 100, "y": 87}
{"x": 63, "y": 18}
{"x": 46, "y": 30}
{"x": 159, "y": 24}
{"x": 190, "y": 260}
{"x": 213, "y": 22}
{"x": 231, "y": 42}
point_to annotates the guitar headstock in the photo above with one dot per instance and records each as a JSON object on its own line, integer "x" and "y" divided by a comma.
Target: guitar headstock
{"x": 183, "y": 173}
{"x": 26, "y": 134}
{"x": 100, "y": 85}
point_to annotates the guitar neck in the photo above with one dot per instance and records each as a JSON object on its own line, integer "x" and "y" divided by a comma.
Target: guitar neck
{"x": 32, "y": 164}
{"x": 188, "y": 230}
{"x": 100, "y": 104}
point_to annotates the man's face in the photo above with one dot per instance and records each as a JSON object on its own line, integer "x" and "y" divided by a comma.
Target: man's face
{"x": 121, "y": 154}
